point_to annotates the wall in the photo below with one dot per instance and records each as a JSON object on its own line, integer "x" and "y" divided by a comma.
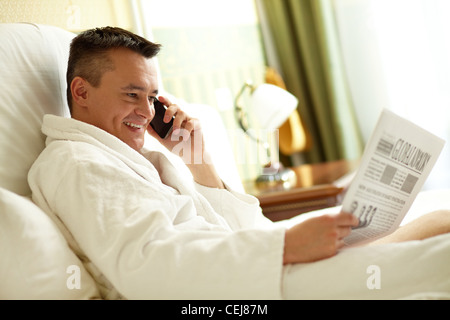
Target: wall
{"x": 396, "y": 56}
{"x": 73, "y": 15}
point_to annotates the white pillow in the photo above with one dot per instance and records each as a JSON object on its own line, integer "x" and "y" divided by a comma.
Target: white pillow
{"x": 36, "y": 261}
{"x": 32, "y": 83}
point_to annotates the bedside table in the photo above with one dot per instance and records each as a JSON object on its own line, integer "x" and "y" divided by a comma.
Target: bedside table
{"x": 314, "y": 188}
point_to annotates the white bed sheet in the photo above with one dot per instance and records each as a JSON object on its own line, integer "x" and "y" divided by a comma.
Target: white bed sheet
{"x": 408, "y": 270}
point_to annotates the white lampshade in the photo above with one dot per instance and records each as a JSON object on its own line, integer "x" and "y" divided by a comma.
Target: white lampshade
{"x": 272, "y": 105}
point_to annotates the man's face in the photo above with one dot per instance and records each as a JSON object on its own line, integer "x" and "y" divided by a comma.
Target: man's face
{"x": 123, "y": 103}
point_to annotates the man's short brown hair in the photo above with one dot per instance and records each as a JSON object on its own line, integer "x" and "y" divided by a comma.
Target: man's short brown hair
{"x": 89, "y": 53}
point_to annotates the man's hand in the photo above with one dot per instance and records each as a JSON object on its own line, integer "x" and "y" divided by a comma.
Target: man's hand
{"x": 317, "y": 238}
{"x": 186, "y": 141}
{"x": 186, "y": 138}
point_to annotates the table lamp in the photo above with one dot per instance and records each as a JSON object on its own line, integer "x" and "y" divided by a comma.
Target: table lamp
{"x": 270, "y": 106}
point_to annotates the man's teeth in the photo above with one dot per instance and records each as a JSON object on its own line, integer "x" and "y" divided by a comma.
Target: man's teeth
{"x": 139, "y": 126}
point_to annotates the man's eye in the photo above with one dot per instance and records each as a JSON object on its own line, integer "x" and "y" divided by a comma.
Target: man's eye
{"x": 151, "y": 99}
{"x": 132, "y": 95}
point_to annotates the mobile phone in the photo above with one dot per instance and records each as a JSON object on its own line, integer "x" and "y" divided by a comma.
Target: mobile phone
{"x": 162, "y": 129}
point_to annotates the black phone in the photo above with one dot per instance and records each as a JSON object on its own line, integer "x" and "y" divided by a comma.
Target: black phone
{"x": 162, "y": 129}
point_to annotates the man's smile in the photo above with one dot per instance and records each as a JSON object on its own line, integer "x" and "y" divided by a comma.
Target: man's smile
{"x": 134, "y": 125}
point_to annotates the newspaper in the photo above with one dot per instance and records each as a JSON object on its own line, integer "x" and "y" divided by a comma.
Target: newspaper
{"x": 396, "y": 162}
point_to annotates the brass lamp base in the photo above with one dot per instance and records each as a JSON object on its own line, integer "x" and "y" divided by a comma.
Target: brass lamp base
{"x": 276, "y": 176}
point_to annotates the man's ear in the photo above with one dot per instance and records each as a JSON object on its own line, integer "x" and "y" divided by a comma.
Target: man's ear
{"x": 79, "y": 89}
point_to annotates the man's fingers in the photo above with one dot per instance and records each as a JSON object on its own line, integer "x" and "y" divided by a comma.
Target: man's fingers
{"x": 346, "y": 219}
{"x": 340, "y": 243}
{"x": 343, "y": 232}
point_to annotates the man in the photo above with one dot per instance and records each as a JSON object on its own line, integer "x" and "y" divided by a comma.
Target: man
{"x": 142, "y": 230}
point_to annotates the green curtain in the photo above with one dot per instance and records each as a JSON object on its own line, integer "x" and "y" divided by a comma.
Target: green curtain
{"x": 305, "y": 38}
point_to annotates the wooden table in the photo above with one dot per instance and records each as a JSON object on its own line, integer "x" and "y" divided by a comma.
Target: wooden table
{"x": 314, "y": 186}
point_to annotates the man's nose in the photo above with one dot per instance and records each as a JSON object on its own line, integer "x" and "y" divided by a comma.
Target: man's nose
{"x": 145, "y": 109}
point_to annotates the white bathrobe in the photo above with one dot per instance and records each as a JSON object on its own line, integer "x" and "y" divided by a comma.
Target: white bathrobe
{"x": 143, "y": 231}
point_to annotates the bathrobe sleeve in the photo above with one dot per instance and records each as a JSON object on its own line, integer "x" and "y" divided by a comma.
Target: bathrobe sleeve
{"x": 239, "y": 210}
{"x": 150, "y": 243}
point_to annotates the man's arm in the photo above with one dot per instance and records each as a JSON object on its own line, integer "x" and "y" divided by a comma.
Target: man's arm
{"x": 205, "y": 173}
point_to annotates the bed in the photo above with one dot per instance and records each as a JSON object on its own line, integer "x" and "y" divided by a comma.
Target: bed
{"x": 36, "y": 261}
